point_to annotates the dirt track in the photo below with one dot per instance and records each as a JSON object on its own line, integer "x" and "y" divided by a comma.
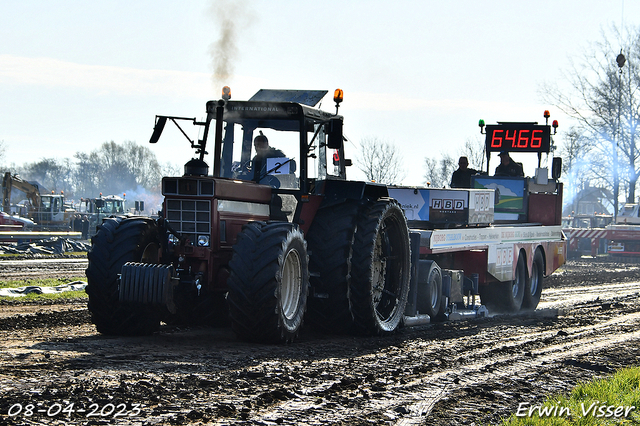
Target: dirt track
{"x": 478, "y": 371}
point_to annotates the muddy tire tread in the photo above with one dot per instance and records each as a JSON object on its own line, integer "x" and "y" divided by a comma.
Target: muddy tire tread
{"x": 118, "y": 240}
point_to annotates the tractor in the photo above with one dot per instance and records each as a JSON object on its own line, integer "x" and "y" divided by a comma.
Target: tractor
{"x": 265, "y": 244}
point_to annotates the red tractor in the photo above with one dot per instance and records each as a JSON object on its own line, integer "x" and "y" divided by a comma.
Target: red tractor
{"x": 266, "y": 242}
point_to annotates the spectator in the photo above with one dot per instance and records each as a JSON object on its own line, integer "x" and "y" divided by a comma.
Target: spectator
{"x": 85, "y": 228}
{"x": 508, "y": 167}
{"x": 461, "y": 178}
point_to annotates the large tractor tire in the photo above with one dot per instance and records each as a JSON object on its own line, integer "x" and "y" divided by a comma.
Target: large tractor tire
{"x": 380, "y": 268}
{"x": 117, "y": 241}
{"x": 533, "y": 287}
{"x": 269, "y": 282}
{"x": 330, "y": 245}
{"x": 507, "y": 296}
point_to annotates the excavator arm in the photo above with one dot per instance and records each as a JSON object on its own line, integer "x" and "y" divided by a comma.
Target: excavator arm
{"x": 9, "y": 183}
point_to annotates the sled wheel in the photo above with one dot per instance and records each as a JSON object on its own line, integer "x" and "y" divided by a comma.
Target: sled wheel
{"x": 430, "y": 299}
{"x": 533, "y": 288}
{"x": 512, "y": 292}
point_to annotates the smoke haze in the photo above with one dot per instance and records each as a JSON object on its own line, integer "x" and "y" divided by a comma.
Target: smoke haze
{"x": 229, "y": 16}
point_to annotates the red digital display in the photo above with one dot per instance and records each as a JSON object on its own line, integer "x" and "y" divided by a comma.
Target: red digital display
{"x": 518, "y": 137}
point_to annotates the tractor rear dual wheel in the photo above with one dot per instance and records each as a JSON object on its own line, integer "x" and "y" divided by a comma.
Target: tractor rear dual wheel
{"x": 380, "y": 268}
{"x": 331, "y": 245}
{"x": 360, "y": 264}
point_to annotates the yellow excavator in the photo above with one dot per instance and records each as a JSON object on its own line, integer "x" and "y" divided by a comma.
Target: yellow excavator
{"x": 48, "y": 211}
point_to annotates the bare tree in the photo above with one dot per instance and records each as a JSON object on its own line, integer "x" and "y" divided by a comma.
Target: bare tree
{"x": 576, "y": 168}
{"x": 87, "y": 174}
{"x": 111, "y": 169}
{"x": 605, "y": 100}
{"x": 2, "y": 152}
{"x": 438, "y": 172}
{"x": 474, "y": 151}
{"x": 380, "y": 161}
{"x": 144, "y": 164}
{"x": 48, "y": 172}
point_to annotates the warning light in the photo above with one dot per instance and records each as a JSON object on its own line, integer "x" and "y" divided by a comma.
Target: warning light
{"x": 124, "y": 195}
{"x": 546, "y": 113}
{"x": 555, "y": 126}
{"x": 338, "y": 96}
{"x": 481, "y": 124}
{"x": 226, "y": 93}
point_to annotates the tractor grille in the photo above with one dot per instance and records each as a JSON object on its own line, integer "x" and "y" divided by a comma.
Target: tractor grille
{"x": 190, "y": 218}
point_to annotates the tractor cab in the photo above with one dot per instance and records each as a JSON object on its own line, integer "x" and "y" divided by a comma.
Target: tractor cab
{"x": 285, "y": 148}
{"x": 278, "y": 139}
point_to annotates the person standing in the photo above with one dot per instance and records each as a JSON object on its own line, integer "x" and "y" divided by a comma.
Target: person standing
{"x": 85, "y": 228}
{"x": 508, "y": 167}
{"x": 461, "y": 178}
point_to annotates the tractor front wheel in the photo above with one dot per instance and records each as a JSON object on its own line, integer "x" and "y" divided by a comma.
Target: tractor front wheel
{"x": 269, "y": 282}
{"x": 120, "y": 240}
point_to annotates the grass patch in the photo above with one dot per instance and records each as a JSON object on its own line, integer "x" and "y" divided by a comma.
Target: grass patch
{"x": 614, "y": 400}
{"x": 43, "y": 255}
{"x": 40, "y": 282}
{"x": 65, "y": 295}
{"x": 43, "y": 282}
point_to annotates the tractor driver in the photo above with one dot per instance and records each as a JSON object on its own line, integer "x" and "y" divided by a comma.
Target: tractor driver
{"x": 263, "y": 151}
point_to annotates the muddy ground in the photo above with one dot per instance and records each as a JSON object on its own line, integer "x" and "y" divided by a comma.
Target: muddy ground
{"x": 55, "y": 368}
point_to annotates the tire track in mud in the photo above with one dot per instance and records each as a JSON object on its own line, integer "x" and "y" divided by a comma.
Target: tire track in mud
{"x": 567, "y": 296}
{"x": 523, "y": 353}
{"x": 187, "y": 376}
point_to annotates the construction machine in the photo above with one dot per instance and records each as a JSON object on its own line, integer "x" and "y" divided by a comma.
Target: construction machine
{"x": 268, "y": 242}
{"x": 94, "y": 210}
{"x": 47, "y": 210}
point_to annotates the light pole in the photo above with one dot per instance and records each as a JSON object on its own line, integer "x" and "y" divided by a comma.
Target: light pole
{"x": 620, "y": 60}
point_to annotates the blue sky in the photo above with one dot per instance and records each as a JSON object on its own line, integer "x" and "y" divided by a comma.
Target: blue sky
{"x": 420, "y": 74}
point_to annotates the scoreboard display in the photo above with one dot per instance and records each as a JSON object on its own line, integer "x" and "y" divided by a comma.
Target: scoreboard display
{"x": 518, "y": 137}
